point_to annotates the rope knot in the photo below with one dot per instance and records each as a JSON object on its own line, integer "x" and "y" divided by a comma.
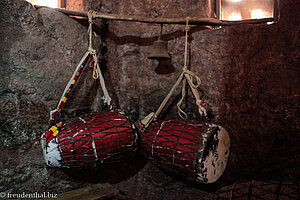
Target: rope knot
{"x": 185, "y": 69}
{"x": 192, "y": 76}
{"x": 91, "y": 14}
{"x": 187, "y": 27}
{"x": 92, "y": 51}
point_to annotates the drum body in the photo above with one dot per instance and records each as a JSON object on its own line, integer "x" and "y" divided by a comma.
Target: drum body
{"x": 187, "y": 148}
{"x": 99, "y": 138}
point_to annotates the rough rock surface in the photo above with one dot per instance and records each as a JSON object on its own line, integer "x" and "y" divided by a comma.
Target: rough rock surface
{"x": 250, "y": 77}
{"x": 249, "y": 73}
{"x": 39, "y": 51}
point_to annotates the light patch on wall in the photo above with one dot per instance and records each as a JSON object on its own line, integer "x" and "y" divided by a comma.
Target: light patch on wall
{"x": 48, "y": 3}
{"x": 233, "y": 10}
{"x": 235, "y": 16}
{"x": 258, "y": 14}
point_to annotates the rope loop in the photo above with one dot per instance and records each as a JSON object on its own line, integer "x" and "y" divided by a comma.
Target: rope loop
{"x": 191, "y": 76}
{"x": 181, "y": 113}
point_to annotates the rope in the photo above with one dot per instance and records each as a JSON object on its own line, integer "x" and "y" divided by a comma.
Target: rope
{"x": 187, "y": 28}
{"x": 185, "y": 69}
{"x": 72, "y": 81}
{"x": 56, "y": 122}
{"x": 189, "y": 75}
{"x": 106, "y": 97}
{"x": 96, "y": 70}
{"x": 92, "y": 14}
{"x": 181, "y": 113}
{"x": 162, "y": 105}
{"x": 178, "y": 80}
{"x": 186, "y": 76}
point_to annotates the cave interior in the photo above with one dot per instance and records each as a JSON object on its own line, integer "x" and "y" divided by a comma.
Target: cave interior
{"x": 249, "y": 77}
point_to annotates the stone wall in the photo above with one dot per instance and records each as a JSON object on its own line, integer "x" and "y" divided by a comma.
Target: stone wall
{"x": 39, "y": 51}
{"x": 249, "y": 73}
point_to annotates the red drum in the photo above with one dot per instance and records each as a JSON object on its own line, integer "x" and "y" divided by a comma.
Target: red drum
{"x": 96, "y": 138}
{"x": 188, "y": 148}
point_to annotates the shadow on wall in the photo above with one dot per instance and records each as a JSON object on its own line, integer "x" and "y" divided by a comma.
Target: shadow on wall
{"x": 111, "y": 173}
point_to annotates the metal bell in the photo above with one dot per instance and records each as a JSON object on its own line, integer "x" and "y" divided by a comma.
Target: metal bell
{"x": 160, "y": 50}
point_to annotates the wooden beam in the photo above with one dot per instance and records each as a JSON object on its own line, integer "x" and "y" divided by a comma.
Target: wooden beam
{"x": 182, "y": 20}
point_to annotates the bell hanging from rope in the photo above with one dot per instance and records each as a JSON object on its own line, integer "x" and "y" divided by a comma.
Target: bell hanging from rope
{"x": 160, "y": 50}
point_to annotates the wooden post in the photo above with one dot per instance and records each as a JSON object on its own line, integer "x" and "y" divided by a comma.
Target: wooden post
{"x": 61, "y": 3}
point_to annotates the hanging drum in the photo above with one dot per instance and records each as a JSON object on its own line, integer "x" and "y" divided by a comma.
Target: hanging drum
{"x": 195, "y": 150}
{"x": 191, "y": 149}
{"x": 100, "y": 138}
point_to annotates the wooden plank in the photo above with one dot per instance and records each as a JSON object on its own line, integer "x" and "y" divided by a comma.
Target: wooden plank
{"x": 182, "y": 20}
{"x": 91, "y": 192}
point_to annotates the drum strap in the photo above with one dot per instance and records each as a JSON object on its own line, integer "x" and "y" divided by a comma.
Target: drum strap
{"x": 186, "y": 76}
{"x": 56, "y": 121}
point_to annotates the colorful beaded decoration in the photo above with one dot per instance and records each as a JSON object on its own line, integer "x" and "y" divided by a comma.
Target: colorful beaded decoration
{"x": 56, "y": 121}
